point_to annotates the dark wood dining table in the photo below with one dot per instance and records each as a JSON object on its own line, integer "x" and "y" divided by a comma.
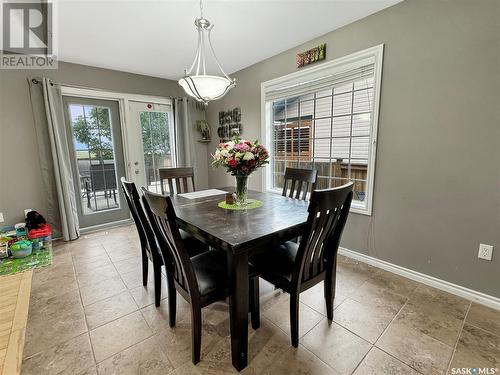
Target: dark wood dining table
{"x": 241, "y": 233}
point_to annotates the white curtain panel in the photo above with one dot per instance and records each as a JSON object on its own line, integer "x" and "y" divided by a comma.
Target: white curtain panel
{"x": 186, "y": 113}
{"x": 55, "y": 158}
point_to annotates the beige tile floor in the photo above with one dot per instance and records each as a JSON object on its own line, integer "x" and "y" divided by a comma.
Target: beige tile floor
{"x": 89, "y": 314}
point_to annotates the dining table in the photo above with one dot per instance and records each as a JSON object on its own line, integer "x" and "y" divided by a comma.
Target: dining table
{"x": 240, "y": 234}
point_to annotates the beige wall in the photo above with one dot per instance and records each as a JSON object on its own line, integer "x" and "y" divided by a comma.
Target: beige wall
{"x": 437, "y": 179}
{"x": 20, "y": 176}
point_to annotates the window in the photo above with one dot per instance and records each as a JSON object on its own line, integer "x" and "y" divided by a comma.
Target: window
{"x": 325, "y": 118}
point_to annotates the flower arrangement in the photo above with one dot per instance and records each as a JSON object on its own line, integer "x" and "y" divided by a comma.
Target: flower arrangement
{"x": 240, "y": 157}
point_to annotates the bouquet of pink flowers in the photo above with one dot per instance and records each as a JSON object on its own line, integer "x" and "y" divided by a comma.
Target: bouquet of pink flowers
{"x": 240, "y": 157}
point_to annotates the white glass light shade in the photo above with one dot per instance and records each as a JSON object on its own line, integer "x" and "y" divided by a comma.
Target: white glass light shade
{"x": 205, "y": 87}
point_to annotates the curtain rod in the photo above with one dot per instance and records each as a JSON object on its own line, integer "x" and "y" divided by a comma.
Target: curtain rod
{"x": 99, "y": 89}
{"x": 36, "y": 81}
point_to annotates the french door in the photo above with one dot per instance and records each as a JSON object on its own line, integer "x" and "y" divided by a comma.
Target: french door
{"x": 104, "y": 149}
{"x": 96, "y": 146}
{"x": 150, "y": 142}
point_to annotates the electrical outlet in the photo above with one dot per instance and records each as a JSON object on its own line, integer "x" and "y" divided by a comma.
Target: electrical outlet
{"x": 1, "y": 217}
{"x": 485, "y": 251}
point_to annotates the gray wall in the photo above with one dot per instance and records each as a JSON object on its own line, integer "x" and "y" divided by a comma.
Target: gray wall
{"x": 20, "y": 177}
{"x": 437, "y": 183}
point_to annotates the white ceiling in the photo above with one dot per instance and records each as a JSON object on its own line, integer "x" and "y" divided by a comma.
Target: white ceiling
{"x": 158, "y": 38}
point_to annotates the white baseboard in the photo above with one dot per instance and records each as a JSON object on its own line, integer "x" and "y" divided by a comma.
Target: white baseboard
{"x": 114, "y": 224}
{"x": 483, "y": 299}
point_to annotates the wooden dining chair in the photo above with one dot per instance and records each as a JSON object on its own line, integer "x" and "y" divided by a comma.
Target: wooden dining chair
{"x": 149, "y": 247}
{"x": 297, "y": 267}
{"x": 298, "y": 182}
{"x": 179, "y": 176}
{"x": 200, "y": 280}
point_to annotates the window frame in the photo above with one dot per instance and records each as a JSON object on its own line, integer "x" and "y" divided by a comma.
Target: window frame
{"x": 315, "y": 72}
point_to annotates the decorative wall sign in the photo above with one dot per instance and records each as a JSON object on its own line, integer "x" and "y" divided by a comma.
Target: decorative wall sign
{"x": 229, "y": 124}
{"x": 311, "y": 56}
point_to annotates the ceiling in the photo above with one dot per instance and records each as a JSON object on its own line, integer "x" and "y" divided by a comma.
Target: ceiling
{"x": 158, "y": 38}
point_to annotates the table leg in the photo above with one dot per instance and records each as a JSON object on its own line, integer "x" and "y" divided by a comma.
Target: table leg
{"x": 238, "y": 308}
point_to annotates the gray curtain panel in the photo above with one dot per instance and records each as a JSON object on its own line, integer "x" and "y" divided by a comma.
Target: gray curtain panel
{"x": 186, "y": 113}
{"x": 52, "y": 135}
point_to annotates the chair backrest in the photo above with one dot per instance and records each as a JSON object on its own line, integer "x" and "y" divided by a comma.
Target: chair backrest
{"x": 180, "y": 176}
{"x": 300, "y": 180}
{"x": 162, "y": 216}
{"x": 103, "y": 176}
{"x": 328, "y": 211}
{"x": 146, "y": 235}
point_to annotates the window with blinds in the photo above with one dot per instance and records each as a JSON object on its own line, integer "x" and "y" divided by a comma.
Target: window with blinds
{"x": 326, "y": 123}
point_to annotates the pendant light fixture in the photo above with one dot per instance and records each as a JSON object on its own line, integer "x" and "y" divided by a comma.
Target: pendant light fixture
{"x": 200, "y": 85}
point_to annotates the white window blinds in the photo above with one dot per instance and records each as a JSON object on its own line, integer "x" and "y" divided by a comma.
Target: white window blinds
{"x": 308, "y": 85}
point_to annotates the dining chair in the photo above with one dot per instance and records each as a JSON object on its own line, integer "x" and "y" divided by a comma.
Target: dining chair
{"x": 149, "y": 245}
{"x": 179, "y": 176}
{"x": 297, "y": 267}
{"x": 300, "y": 180}
{"x": 200, "y": 280}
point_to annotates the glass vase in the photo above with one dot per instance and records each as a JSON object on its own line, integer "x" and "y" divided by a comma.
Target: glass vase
{"x": 241, "y": 190}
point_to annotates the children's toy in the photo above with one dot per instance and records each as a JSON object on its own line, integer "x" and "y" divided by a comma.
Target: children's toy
{"x": 34, "y": 220}
{"x": 21, "y": 249}
{"x": 21, "y": 230}
{"x": 45, "y": 230}
{"x": 39, "y": 231}
{"x": 36, "y": 244}
{"x": 4, "y": 249}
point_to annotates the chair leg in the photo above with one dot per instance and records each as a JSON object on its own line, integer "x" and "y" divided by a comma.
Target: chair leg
{"x": 254, "y": 302}
{"x": 157, "y": 277}
{"x": 172, "y": 301}
{"x": 329, "y": 284}
{"x": 294, "y": 318}
{"x": 329, "y": 296}
{"x": 196, "y": 333}
{"x": 145, "y": 263}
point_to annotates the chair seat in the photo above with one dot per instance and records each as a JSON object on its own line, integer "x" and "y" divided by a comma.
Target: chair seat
{"x": 278, "y": 261}
{"x": 193, "y": 245}
{"x": 210, "y": 269}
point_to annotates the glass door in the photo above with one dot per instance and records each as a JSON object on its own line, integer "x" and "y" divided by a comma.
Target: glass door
{"x": 150, "y": 142}
{"x": 98, "y": 162}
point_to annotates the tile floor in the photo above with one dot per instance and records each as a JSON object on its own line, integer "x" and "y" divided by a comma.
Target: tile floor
{"x": 89, "y": 314}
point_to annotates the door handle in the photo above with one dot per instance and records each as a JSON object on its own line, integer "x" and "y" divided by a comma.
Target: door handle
{"x": 136, "y": 163}
{"x": 136, "y": 171}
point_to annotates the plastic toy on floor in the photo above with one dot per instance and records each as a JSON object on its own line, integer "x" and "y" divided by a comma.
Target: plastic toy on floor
{"x": 25, "y": 246}
{"x": 39, "y": 231}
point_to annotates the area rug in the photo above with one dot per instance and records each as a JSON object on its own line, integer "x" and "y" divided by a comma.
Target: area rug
{"x": 39, "y": 259}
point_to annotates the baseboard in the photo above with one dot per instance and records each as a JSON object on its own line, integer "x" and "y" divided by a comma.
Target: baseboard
{"x": 481, "y": 298}
{"x": 99, "y": 227}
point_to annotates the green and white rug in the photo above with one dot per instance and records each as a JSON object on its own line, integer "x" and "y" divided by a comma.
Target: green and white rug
{"x": 41, "y": 258}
